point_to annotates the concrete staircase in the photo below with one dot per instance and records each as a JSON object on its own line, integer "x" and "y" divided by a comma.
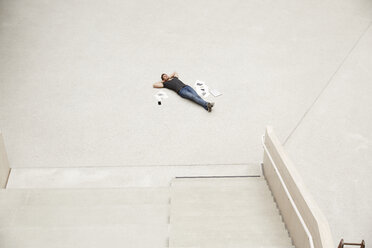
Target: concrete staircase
{"x": 192, "y": 212}
{"x": 89, "y": 218}
{"x": 225, "y": 212}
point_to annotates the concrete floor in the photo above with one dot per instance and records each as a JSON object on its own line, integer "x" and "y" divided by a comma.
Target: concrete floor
{"x": 76, "y": 76}
{"x": 332, "y": 146}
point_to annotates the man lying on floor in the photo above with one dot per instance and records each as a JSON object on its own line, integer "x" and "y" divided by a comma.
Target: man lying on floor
{"x": 173, "y": 83}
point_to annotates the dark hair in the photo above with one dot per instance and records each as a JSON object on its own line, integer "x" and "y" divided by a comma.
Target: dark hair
{"x": 162, "y": 76}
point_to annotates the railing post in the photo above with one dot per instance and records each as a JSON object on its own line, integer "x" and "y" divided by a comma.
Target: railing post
{"x": 4, "y": 164}
{"x": 341, "y": 245}
{"x": 363, "y": 244}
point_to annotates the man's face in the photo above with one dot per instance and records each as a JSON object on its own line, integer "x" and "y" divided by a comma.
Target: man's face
{"x": 165, "y": 77}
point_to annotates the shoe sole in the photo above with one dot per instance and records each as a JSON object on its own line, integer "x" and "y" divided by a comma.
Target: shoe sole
{"x": 209, "y": 107}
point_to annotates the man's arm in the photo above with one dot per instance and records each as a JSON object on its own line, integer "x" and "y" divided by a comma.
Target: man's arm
{"x": 158, "y": 85}
{"x": 174, "y": 74}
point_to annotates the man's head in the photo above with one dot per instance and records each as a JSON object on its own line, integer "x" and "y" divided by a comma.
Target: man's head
{"x": 164, "y": 77}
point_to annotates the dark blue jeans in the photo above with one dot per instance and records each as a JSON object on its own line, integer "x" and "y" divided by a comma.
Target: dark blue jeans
{"x": 189, "y": 93}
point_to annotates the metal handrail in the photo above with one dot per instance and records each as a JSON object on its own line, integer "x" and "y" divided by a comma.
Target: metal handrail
{"x": 342, "y": 244}
{"x": 308, "y": 234}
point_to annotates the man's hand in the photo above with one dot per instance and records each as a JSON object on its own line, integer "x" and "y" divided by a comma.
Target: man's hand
{"x": 174, "y": 74}
{"x": 158, "y": 85}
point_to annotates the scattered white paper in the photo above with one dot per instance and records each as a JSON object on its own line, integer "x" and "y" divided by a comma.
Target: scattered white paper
{"x": 160, "y": 95}
{"x": 201, "y": 88}
{"x": 215, "y": 92}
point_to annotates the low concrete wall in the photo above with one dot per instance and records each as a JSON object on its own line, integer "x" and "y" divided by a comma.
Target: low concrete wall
{"x": 311, "y": 214}
{"x": 4, "y": 164}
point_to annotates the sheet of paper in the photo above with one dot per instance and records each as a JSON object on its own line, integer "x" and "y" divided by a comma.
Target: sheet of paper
{"x": 161, "y": 95}
{"x": 215, "y": 92}
{"x": 201, "y": 88}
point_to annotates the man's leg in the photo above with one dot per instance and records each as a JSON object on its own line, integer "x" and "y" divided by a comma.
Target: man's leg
{"x": 190, "y": 93}
{"x": 209, "y": 104}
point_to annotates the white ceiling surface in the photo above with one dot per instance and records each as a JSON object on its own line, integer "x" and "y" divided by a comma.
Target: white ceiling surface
{"x": 75, "y": 88}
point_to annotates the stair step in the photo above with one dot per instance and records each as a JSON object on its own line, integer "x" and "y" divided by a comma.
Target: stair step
{"x": 41, "y": 216}
{"x": 228, "y": 192}
{"x": 235, "y": 212}
{"x": 225, "y": 212}
{"x": 129, "y": 236}
{"x": 218, "y": 182}
{"x": 270, "y": 219}
{"x": 229, "y": 226}
{"x": 130, "y": 217}
{"x": 219, "y": 197}
{"x": 228, "y": 240}
{"x": 84, "y": 197}
{"x": 238, "y": 246}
